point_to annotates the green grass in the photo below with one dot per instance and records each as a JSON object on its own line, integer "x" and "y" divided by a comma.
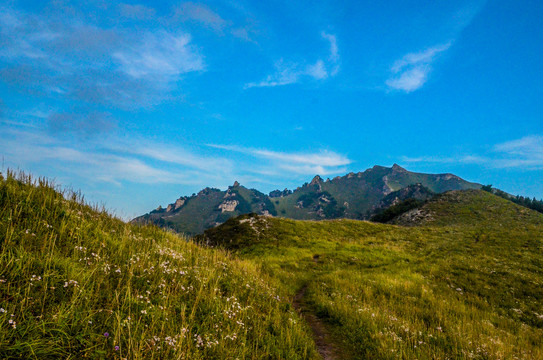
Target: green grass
{"x": 76, "y": 283}
{"x": 468, "y": 285}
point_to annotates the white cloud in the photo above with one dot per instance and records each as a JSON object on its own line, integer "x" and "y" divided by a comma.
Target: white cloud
{"x": 525, "y": 153}
{"x": 322, "y": 162}
{"x": 464, "y": 159}
{"x": 173, "y": 155}
{"x": 291, "y": 73}
{"x": 334, "y": 52}
{"x": 411, "y": 71}
{"x": 317, "y": 70}
{"x": 113, "y": 160}
{"x": 160, "y": 54}
{"x": 284, "y": 74}
{"x": 202, "y": 14}
{"x": 528, "y": 146}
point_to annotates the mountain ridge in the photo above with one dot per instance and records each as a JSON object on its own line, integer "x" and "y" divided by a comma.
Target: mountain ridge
{"x": 353, "y": 196}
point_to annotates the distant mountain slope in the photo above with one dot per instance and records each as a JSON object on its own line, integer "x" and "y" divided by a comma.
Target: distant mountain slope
{"x": 209, "y": 208}
{"x": 354, "y": 196}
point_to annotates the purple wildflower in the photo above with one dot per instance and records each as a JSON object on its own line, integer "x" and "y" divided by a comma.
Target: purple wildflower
{"x": 106, "y": 334}
{"x": 117, "y": 348}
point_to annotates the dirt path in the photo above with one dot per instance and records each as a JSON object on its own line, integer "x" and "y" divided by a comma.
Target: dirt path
{"x": 321, "y": 335}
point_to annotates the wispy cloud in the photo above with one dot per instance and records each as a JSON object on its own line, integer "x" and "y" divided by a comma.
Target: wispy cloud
{"x": 334, "y": 53}
{"x": 160, "y": 54}
{"x": 463, "y": 159}
{"x": 525, "y": 153}
{"x": 202, "y": 14}
{"x": 114, "y": 159}
{"x": 72, "y": 58}
{"x": 411, "y": 71}
{"x": 293, "y": 72}
{"x": 206, "y": 17}
{"x": 308, "y": 163}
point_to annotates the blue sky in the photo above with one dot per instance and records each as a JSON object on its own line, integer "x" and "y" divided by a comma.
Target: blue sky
{"x": 137, "y": 103}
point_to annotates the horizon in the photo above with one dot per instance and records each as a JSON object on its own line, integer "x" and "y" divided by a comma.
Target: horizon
{"x": 137, "y": 103}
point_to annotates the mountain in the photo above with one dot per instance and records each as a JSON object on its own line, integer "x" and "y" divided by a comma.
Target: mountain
{"x": 353, "y": 196}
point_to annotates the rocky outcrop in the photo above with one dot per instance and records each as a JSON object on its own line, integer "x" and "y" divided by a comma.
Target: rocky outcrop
{"x": 228, "y": 205}
{"x": 279, "y": 193}
{"x": 179, "y": 202}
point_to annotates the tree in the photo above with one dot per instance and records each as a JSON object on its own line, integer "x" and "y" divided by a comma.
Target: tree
{"x": 487, "y": 188}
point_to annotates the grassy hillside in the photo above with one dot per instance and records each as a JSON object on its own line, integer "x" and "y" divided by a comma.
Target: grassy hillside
{"x": 78, "y": 283}
{"x": 468, "y": 285}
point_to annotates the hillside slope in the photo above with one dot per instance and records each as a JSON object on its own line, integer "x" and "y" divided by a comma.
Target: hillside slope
{"x": 353, "y": 196}
{"x": 475, "y": 208}
{"x": 77, "y": 283}
{"x": 468, "y": 285}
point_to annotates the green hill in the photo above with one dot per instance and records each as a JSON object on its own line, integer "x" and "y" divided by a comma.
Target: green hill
{"x": 77, "y": 283}
{"x": 353, "y": 196}
{"x": 466, "y": 283}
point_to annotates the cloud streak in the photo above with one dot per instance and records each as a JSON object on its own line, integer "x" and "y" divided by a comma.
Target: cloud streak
{"x": 525, "y": 153}
{"x": 160, "y": 54}
{"x": 322, "y": 162}
{"x": 411, "y": 71}
{"x": 287, "y": 73}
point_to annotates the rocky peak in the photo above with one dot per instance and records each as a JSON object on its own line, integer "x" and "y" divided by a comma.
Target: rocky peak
{"x": 179, "y": 202}
{"x": 235, "y": 184}
{"x": 316, "y": 180}
{"x": 398, "y": 168}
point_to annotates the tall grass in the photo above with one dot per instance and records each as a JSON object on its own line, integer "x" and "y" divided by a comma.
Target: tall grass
{"x": 76, "y": 283}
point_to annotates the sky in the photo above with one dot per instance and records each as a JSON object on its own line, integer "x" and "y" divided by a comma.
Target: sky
{"x": 138, "y": 103}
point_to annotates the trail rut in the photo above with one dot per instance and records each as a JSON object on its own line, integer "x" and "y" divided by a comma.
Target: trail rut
{"x": 325, "y": 346}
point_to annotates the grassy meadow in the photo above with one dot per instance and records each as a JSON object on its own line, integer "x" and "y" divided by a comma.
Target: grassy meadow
{"x": 467, "y": 285}
{"x": 78, "y": 283}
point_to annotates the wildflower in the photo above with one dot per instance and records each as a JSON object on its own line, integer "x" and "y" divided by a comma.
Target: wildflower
{"x": 106, "y": 334}
{"x": 117, "y": 347}
{"x": 2, "y": 310}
